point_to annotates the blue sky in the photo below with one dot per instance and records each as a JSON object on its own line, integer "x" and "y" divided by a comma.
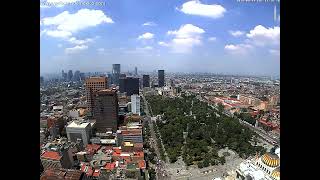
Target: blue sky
{"x": 178, "y": 36}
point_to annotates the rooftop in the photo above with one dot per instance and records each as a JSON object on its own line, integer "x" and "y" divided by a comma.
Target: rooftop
{"x": 69, "y": 174}
{"x": 78, "y": 124}
{"x": 51, "y": 155}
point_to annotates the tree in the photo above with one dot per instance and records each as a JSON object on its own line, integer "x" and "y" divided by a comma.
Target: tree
{"x": 206, "y": 162}
{"x": 220, "y": 107}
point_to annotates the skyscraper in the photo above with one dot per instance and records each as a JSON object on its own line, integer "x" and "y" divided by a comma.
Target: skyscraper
{"x": 64, "y": 75}
{"x": 76, "y": 76}
{"x": 130, "y": 85}
{"x": 116, "y": 73}
{"x": 70, "y": 75}
{"x": 146, "y": 80}
{"x": 135, "y": 71}
{"x": 94, "y": 84}
{"x": 160, "y": 78}
{"x": 106, "y": 110}
{"x": 82, "y": 76}
{"x": 135, "y": 104}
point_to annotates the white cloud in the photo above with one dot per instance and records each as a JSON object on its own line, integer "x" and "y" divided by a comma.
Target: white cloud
{"x": 184, "y": 39}
{"x": 262, "y": 36}
{"x": 59, "y": 45}
{"x": 76, "y": 49}
{"x": 140, "y": 50}
{"x": 212, "y": 39}
{"x": 236, "y": 33}
{"x": 146, "y": 36}
{"x": 149, "y": 24}
{"x": 186, "y": 31}
{"x": 80, "y": 20}
{"x": 274, "y": 52}
{"x": 241, "y": 49}
{"x": 195, "y": 7}
{"x": 74, "y": 40}
{"x": 57, "y": 33}
{"x": 161, "y": 43}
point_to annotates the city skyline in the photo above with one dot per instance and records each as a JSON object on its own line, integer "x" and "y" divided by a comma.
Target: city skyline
{"x": 190, "y": 36}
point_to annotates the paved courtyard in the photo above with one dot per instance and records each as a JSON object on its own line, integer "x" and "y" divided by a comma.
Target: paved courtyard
{"x": 178, "y": 170}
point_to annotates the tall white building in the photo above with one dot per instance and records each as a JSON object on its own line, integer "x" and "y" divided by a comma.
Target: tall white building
{"x": 135, "y": 104}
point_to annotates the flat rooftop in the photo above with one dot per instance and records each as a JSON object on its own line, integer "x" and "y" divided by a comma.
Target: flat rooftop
{"x": 74, "y": 124}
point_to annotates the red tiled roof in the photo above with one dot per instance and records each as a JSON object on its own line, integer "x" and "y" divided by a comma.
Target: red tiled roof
{"x": 110, "y": 166}
{"x": 51, "y": 155}
{"x": 142, "y": 164}
{"x": 94, "y": 147}
{"x": 96, "y": 173}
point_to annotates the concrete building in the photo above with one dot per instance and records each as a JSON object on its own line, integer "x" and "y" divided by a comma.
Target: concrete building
{"x": 60, "y": 173}
{"x": 135, "y": 104}
{"x": 131, "y": 134}
{"x": 130, "y": 85}
{"x": 79, "y": 130}
{"x": 106, "y": 110}
{"x": 146, "y": 80}
{"x": 59, "y": 153}
{"x": 160, "y": 78}
{"x": 115, "y": 73}
{"x": 94, "y": 84}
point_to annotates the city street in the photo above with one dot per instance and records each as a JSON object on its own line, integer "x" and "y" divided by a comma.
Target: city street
{"x": 160, "y": 166}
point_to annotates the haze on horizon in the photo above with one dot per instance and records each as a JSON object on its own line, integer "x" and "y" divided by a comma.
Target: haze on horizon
{"x": 212, "y": 36}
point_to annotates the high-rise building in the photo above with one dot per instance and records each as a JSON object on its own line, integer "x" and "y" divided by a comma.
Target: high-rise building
{"x": 64, "y": 75}
{"x": 94, "y": 84}
{"x": 106, "y": 110}
{"x": 146, "y": 80}
{"x": 82, "y": 76}
{"x": 160, "y": 78}
{"x": 109, "y": 79}
{"x": 135, "y": 71}
{"x": 116, "y": 73}
{"x": 135, "y": 104}
{"x": 70, "y": 75}
{"x": 130, "y": 85}
{"x": 76, "y": 76}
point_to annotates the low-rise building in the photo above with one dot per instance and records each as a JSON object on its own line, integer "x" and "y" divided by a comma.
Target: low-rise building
{"x": 79, "y": 130}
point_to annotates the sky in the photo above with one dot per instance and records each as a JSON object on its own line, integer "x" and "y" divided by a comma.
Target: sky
{"x": 215, "y": 36}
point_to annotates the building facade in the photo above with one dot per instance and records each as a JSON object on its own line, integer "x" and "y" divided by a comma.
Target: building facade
{"x": 94, "y": 84}
{"x": 106, "y": 110}
{"x": 160, "y": 78}
{"x": 146, "y": 81}
{"x": 115, "y": 73}
{"x": 135, "y": 104}
{"x": 130, "y": 85}
{"x": 79, "y": 130}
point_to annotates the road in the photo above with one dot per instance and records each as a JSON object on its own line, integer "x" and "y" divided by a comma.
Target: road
{"x": 161, "y": 173}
